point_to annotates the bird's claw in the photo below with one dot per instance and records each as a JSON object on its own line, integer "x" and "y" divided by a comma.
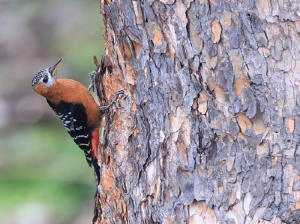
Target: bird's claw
{"x": 92, "y": 78}
{"x": 120, "y": 92}
{"x": 115, "y": 101}
{"x": 117, "y": 105}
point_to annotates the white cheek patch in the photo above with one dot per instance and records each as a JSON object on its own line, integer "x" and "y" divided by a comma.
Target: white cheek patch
{"x": 51, "y": 81}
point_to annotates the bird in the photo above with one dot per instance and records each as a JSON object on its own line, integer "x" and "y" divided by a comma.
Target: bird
{"x": 76, "y": 107}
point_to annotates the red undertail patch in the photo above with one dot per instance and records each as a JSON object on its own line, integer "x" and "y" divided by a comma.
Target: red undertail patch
{"x": 95, "y": 142}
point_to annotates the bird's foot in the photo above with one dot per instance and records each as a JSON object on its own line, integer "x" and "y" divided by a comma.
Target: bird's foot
{"x": 115, "y": 101}
{"x": 92, "y": 78}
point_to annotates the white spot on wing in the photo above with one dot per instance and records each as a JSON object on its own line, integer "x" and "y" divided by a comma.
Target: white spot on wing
{"x": 81, "y": 136}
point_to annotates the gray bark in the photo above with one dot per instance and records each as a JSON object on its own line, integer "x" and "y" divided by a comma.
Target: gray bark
{"x": 209, "y": 128}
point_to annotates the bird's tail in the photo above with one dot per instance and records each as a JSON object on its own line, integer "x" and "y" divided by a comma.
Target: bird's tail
{"x": 97, "y": 169}
{"x": 94, "y": 144}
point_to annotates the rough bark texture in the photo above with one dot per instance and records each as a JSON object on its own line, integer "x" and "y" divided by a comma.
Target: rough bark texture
{"x": 210, "y": 123}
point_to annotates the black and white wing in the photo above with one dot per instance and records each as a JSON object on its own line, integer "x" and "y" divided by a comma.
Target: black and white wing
{"x": 74, "y": 119}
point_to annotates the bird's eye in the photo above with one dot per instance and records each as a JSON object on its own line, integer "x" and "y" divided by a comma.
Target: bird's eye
{"x": 45, "y": 79}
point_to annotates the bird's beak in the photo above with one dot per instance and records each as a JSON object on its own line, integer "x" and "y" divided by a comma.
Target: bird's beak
{"x": 53, "y": 69}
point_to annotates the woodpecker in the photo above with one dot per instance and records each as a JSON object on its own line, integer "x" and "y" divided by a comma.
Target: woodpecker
{"x": 77, "y": 109}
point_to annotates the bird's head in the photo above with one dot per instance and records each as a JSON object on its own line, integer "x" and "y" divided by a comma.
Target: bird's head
{"x": 45, "y": 78}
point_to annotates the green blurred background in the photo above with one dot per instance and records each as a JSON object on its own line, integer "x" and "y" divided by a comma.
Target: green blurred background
{"x": 44, "y": 177}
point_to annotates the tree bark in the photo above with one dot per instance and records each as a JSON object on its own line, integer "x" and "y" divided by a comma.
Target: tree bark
{"x": 209, "y": 126}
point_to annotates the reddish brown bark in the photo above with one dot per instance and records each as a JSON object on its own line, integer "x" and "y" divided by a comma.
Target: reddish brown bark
{"x": 209, "y": 128}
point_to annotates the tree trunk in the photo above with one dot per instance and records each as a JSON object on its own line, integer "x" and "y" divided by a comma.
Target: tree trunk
{"x": 209, "y": 126}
